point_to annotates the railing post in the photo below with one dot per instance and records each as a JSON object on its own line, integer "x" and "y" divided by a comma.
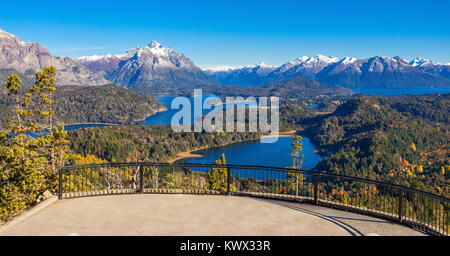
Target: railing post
{"x": 316, "y": 189}
{"x": 141, "y": 180}
{"x": 60, "y": 192}
{"x": 228, "y": 181}
{"x": 400, "y": 205}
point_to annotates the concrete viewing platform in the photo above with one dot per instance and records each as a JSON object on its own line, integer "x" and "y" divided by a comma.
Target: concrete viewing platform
{"x": 197, "y": 215}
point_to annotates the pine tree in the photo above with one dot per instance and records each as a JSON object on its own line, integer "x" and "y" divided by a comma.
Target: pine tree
{"x": 217, "y": 177}
{"x": 294, "y": 179}
{"x": 28, "y": 165}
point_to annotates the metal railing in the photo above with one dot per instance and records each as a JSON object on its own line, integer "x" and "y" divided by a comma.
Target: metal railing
{"x": 410, "y": 207}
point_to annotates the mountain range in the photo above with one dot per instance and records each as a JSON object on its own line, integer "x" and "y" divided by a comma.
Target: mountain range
{"x": 374, "y": 72}
{"x": 155, "y": 68}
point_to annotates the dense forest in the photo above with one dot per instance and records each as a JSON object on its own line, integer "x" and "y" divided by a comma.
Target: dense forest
{"x": 93, "y": 104}
{"x": 146, "y": 143}
{"x": 375, "y": 138}
{"x": 433, "y": 109}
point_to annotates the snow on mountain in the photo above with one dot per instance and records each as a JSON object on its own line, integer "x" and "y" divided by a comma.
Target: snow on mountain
{"x": 374, "y": 72}
{"x": 431, "y": 67}
{"x": 379, "y": 72}
{"x": 211, "y": 70}
{"x": 102, "y": 63}
{"x": 155, "y": 68}
{"x": 244, "y": 75}
{"x": 148, "y": 68}
{"x": 26, "y": 58}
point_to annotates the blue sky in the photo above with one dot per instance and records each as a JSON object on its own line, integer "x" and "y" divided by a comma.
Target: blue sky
{"x": 215, "y": 33}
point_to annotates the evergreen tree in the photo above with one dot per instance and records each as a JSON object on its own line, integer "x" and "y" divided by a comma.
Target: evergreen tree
{"x": 294, "y": 179}
{"x": 28, "y": 165}
{"x": 217, "y": 177}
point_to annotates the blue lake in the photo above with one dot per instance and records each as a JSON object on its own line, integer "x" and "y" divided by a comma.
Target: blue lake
{"x": 256, "y": 153}
{"x": 72, "y": 127}
{"x": 165, "y": 118}
{"x": 249, "y": 153}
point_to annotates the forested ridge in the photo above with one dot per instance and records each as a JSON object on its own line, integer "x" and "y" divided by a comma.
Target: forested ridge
{"x": 93, "y": 104}
{"x": 375, "y": 138}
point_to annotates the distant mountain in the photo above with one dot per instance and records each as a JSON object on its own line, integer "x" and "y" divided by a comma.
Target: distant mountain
{"x": 298, "y": 87}
{"x": 248, "y": 75}
{"x": 302, "y": 67}
{"x": 374, "y": 72}
{"x": 379, "y": 72}
{"x": 152, "y": 68}
{"x": 25, "y": 58}
{"x": 107, "y": 63}
{"x": 432, "y": 67}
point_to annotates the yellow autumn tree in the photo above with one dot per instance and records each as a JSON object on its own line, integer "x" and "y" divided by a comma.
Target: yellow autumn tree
{"x": 420, "y": 170}
{"x": 295, "y": 179}
{"x": 28, "y": 164}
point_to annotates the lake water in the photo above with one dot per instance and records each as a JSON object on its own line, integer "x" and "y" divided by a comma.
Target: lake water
{"x": 165, "y": 118}
{"x": 72, "y": 127}
{"x": 246, "y": 153}
{"x": 256, "y": 153}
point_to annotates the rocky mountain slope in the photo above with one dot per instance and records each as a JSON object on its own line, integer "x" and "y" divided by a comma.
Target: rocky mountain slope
{"x": 152, "y": 68}
{"x": 432, "y": 67}
{"x": 25, "y": 58}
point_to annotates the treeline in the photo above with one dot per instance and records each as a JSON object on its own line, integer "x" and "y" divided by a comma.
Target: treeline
{"x": 93, "y": 104}
{"x": 367, "y": 138}
{"x": 146, "y": 143}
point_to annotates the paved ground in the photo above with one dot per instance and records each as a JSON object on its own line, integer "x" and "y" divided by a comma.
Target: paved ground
{"x": 197, "y": 215}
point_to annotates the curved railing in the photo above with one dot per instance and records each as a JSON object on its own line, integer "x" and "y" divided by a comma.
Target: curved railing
{"x": 410, "y": 207}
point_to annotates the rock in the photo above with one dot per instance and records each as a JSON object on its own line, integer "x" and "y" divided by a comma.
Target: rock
{"x": 25, "y": 58}
{"x": 47, "y": 194}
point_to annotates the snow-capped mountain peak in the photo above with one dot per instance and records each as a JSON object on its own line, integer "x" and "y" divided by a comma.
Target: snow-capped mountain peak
{"x": 324, "y": 59}
{"x": 148, "y": 66}
{"x": 348, "y": 60}
{"x": 93, "y": 58}
{"x": 154, "y": 44}
{"x": 419, "y": 61}
{"x": 263, "y": 65}
{"x": 220, "y": 68}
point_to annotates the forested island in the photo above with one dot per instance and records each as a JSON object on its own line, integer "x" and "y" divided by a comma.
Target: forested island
{"x": 147, "y": 143}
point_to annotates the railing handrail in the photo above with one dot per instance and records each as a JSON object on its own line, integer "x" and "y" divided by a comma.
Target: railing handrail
{"x": 256, "y": 167}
